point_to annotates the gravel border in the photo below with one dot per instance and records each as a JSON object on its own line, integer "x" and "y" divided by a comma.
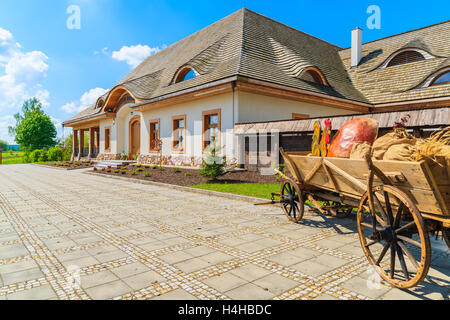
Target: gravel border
{"x": 181, "y": 188}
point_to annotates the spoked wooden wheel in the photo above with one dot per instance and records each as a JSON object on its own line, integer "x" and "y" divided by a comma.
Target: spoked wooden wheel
{"x": 292, "y": 201}
{"x": 337, "y": 209}
{"x": 396, "y": 226}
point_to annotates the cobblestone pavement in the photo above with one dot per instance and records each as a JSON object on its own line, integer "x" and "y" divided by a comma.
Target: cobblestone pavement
{"x": 69, "y": 235}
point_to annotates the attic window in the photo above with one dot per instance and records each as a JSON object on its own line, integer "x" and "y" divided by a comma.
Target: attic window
{"x": 126, "y": 98}
{"x": 441, "y": 79}
{"x": 314, "y": 76}
{"x": 100, "y": 103}
{"x": 406, "y": 57}
{"x": 185, "y": 74}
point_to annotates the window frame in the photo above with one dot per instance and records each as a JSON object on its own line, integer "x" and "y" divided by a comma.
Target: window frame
{"x": 433, "y": 82}
{"x": 152, "y": 122}
{"x": 210, "y": 113}
{"x": 107, "y": 145}
{"x": 396, "y": 56}
{"x": 183, "y": 147}
{"x": 180, "y": 75}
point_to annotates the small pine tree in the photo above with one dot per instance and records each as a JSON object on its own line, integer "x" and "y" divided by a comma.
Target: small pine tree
{"x": 213, "y": 166}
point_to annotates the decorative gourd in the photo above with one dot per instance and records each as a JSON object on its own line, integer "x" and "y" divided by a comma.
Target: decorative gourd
{"x": 355, "y": 131}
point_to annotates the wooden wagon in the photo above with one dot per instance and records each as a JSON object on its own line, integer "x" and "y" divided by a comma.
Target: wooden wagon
{"x": 399, "y": 204}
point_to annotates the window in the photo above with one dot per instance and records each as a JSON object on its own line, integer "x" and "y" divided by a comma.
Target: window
{"x": 406, "y": 57}
{"x": 154, "y": 136}
{"x": 441, "y": 79}
{"x": 100, "y": 103}
{"x": 313, "y": 75}
{"x": 211, "y": 127}
{"x": 107, "y": 140}
{"x": 126, "y": 98}
{"x": 300, "y": 116}
{"x": 178, "y": 133}
{"x": 185, "y": 74}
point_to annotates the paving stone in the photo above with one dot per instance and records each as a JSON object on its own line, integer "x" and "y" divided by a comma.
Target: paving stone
{"x": 108, "y": 290}
{"x": 249, "y": 291}
{"x": 19, "y": 276}
{"x": 275, "y": 283}
{"x": 178, "y": 294}
{"x": 143, "y": 280}
{"x": 225, "y": 282}
{"x": 97, "y": 278}
{"x": 39, "y": 293}
{"x": 250, "y": 272}
{"x": 365, "y": 287}
{"x": 311, "y": 268}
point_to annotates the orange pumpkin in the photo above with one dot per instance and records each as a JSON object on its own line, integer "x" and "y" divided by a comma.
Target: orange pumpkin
{"x": 355, "y": 131}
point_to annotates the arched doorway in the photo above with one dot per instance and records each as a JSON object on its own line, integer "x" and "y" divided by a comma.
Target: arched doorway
{"x": 134, "y": 147}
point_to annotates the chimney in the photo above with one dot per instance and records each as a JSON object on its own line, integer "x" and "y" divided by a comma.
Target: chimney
{"x": 356, "y": 46}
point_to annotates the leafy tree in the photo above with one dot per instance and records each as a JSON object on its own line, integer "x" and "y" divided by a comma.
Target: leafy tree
{"x": 55, "y": 154}
{"x": 213, "y": 166}
{"x": 3, "y": 145}
{"x": 34, "y": 129}
{"x": 67, "y": 147}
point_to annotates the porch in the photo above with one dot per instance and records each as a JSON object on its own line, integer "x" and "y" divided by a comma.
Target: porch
{"x": 79, "y": 150}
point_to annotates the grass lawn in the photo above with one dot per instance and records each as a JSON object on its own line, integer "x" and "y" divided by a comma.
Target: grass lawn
{"x": 12, "y": 161}
{"x": 245, "y": 189}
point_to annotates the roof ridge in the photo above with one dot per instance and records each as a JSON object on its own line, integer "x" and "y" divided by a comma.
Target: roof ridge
{"x": 402, "y": 33}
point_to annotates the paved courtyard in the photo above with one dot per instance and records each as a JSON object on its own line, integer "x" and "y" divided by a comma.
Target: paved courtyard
{"x": 70, "y": 235}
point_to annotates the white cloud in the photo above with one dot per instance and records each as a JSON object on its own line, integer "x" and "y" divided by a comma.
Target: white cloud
{"x": 85, "y": 101}
{"x": 134, "y": 55}
{"x": 21, "y": 73}
{"x": 5, "y": 122}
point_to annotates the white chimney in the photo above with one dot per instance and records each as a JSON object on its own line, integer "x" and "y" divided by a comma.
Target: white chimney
{"x": 356, "y": 46}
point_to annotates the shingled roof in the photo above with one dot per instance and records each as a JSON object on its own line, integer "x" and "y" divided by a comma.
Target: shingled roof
{"x": 401, "y": 82}
{"x": 250, "y": 45}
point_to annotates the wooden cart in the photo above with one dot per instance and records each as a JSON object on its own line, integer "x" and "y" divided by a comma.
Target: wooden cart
{"x": 399, "y": 204}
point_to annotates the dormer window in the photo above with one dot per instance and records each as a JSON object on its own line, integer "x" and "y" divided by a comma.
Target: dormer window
{"x": 184, "y": 74}
{"x": 100, "y": 103}
{"x": 406, "y": 57}
{"x": 443, "y": 78}
{"x": 313, "y": 75}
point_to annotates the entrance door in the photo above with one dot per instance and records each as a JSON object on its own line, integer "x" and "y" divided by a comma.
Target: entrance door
{"x": 135, "y": 137}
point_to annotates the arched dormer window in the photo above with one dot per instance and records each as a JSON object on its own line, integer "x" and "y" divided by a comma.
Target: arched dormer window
{"x": 313, "y": 75}
{"x": 443, "y": 78}
{"x": 184, "y": 74}
{"x": 406, "y": 57}
{"x": 126, "y": 98}
{"x": 100, "y": 103}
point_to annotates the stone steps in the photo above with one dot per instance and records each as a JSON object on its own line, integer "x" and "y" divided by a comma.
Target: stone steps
{"x": 112, "y": 163}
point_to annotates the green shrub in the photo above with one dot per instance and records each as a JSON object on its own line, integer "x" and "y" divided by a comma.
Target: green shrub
{"x": 116, "y": 171}
{"x": 187, "y": 174}
{"x": 123, "y": 171}
{"x": 55, "y": 154}
{"x": 176, "y": 170}
{"x": 133, "y": 173}
{"x": 213, "y": 166}
{"x": 147, "y": 166}
{"x": 139, "y": 170}
{"x": 26, "y": 157}
{"x": 161, "y": 168}
{"x": 155, "y": 166}
{"x": 108, "y": 170}
{"x": 138, "y": 165}
{"x": 35, "y": 155}
{"x": 147, "y": 174}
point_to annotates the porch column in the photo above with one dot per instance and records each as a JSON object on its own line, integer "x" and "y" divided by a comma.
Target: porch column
{"x": 74, "y": 144}
{"x": 97, "y": 132}
{"x": 81, "y": 145}
{"x": 91, "y": 142}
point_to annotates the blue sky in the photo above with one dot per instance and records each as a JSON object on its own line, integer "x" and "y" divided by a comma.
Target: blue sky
{"x": 68, "y": 69}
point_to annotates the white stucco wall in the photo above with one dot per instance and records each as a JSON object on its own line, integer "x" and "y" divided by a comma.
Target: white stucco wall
{"x": 256, "y": 108}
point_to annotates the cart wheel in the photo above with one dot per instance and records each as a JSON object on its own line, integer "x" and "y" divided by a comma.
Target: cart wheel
{"x": 292, "y": 201}
{"x": 446, "y": 236}
{"x": 338, "y": 210}
{"x": 395, "y": 226}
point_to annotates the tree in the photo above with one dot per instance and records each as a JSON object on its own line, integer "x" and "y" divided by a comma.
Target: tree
{"x": 3, "y": 145}
{"x": 213, "y": 166}
{"x": 34, "y": 129}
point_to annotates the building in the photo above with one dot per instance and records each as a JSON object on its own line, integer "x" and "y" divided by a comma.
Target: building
{"x": 247, "y": 68}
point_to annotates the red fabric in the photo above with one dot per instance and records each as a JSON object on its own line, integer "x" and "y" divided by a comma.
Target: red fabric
{"x": 355, "y": 131}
